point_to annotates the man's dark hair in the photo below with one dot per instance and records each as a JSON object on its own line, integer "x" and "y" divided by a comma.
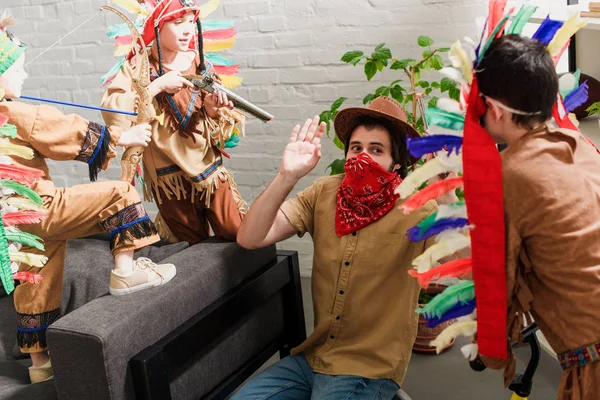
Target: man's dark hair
{"x": 400, "y": 154}
{"x": 519, "y": 72}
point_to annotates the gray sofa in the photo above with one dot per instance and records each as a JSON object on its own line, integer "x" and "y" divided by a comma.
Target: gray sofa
{"x": 226, "y": 312}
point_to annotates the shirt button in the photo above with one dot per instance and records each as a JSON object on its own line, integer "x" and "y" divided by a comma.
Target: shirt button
{"x": 337, "y": 318}
{"x": 353, "y": 233}
{"x": 332, "y": 337}
{"x": 341, "y": 292}
{"x": 347, "y": 263}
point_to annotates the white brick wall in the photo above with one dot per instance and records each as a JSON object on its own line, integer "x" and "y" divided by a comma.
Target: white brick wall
{"x": 289, "y": 52}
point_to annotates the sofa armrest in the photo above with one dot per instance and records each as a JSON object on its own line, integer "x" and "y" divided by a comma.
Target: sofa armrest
{"x": 92, "y": 345}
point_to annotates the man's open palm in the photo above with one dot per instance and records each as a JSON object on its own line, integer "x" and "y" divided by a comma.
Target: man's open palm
{"x": 303, "y": 152}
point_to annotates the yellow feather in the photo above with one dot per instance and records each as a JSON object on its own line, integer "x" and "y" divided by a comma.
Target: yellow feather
{"x": 22, "y": 203}
{"x": 9, "y": 149}
{"x": 564, "y": 34}
{"x": 208, "y": 8}
{"x": 122, "y": 50}
{"x": 230, "y": 81}
{"x": 129, "y": 5}
{"x": 463, "y": 328}
{"x": 459, "y": 58}
{"x": 1, "y": 93}
{"x": 439, "y": 165}
{"x": 35, "y": 260}
{"x": 218, "y": 45}
{"x": 448, "y": 244}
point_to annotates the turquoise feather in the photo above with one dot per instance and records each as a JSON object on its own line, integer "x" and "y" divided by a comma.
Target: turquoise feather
{"x": 444, "y": 119}
{"x": 25, "y": 238}
{"x": 219, "y": 60}
{"x": 449, "y": 298}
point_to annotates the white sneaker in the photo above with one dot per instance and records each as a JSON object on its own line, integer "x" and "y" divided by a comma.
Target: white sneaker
{"x": 146, "y": 274}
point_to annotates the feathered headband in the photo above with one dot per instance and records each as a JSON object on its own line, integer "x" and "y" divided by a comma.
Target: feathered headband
{"x": 11, "y": 48}
{"x": 480, "y": 305}
{"x": 216, "y": 35}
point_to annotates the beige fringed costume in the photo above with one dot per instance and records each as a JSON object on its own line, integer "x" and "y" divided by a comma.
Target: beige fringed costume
{"x": 183, "y": 165}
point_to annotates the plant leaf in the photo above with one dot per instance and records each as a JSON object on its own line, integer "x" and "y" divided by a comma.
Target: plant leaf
{"x": 338, "y": 143}
{"x": 352, "y": 55}
{"x": 447, "y": 84}
{"x": 338, "y": 103}
{"x": 401, "y": 64}
{"x": 397, "y": 94}
{"x": 423, "y": 84}
{"x": 444, "y": 50}
{"x": 427, "y": 53}
{"x": 433, "y": 101}
{"x": 436, "y": 62}
{"x": 435, "y": 85}
{"x": 368, "y": 98}
{"x": 382, "y": 91}
{"x": 370, "y": 70}
{"x": 380, "y": 64}
{"x": 379, "y": 46}
{"x": 425, "y": 41}
{"x": 337, "y": 166}
{"x": 454, "y": 93}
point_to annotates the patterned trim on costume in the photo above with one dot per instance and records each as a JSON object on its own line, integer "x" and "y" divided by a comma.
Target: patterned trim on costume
{"x": 208, "y": 171}
{"x": 580, "y": 357}
{"x": 94, "y": 150}
{"x": 168, "y": 170}
{"x": 31, "y": 328}
{"x": 129, "y": 224}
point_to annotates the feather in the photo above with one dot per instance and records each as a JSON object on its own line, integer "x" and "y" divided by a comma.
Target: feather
{"x": 208, "y": 8}
{"x": 430, "y": 192}
{"x": 470, "y": 351}
{"x": 121, "y": 30}
{"x": 432, "y": 168}
{"x": 25, "y": 238}
{"x": 21, "y": 190}
{"x": 21, "y": 203}
{"x": 216, "y": 59}
{"x": 130, "y": 6}
{"x": 232, "y": 142}
{"x": 217, "y": 25}
{"x": 122, "y": 50}
{"x": 452, "y": 73}
{"x": 444, "y": 119}
{"x": 10, "y": 149}
{"x": 495, "y": 13}
{"x": 566, "y": 84}
{"x": 420, "y": 146}
{"x": 20, "y": 174}
{"x": 460, "y": 293}
{"x": 34, "y": 279}
{"x": 556, "y": 58}
{"x": 563, "y": 35}
{"x": 123, "y": 40}
{"x": 452, "y": 269}
{"x": 456, "y": 210}
{"x": 5, "y": 265}
{"x": 8, "y": 130}
{"x": 521, "y": 19}
{"x": 577, "y": 97}
{"x": 218, "y": 34}
{"x": 460, "y": 59}
{"x": 231, "y": 82}
{"x": 464, "y": 328}
{"x": 459, "y": 310}
{"x": 109, "y": 76}
{"x": 417, "y": 234}
{"x": 547, "y": 30}
{"x": 3, "y": 120}
{"x": 22, "y": 217}
{"x": 34, "y": 260}
{"x": 449, "y": 105}
{"x": 452, "y": 241}
{"x": 6, "y": 20}
{"x": 492, "y": 37}
{"x": 218, "y": 45}
{"x": 227, "y": 70}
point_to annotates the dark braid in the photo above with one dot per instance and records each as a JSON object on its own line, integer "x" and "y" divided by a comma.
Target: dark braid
{"x": 200, "y": 45}
{"x": 161, "y": 71}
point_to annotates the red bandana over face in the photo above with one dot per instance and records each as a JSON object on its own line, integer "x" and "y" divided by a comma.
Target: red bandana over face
{"x": 366, "y": 194}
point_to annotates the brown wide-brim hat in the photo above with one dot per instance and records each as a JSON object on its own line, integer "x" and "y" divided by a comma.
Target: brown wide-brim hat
{"x": 380, "y": 108}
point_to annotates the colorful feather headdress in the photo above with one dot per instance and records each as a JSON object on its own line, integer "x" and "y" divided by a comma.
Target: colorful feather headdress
{"x": 478, "y": 305}
{"x": 19, "y": 205}
{"x": 218, "y": 35}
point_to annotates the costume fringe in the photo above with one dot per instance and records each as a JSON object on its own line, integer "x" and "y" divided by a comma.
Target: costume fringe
{"x": 140, "y": 230}
{"x": 41, "y": 321}
{"x": 30, "y": 339}
{"x": 97, "y": 164}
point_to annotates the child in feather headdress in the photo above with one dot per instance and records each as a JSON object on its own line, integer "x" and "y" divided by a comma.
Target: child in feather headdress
{"x": 30, "y": 134}
{"x": 551, "y": 191}
{"x": 183, "y": 165}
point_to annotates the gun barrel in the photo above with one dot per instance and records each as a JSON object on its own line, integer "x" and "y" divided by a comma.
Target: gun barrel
{"x": 244, "y": 105}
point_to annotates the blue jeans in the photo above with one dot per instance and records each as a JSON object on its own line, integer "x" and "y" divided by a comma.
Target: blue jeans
{"x": 293, "y": 379}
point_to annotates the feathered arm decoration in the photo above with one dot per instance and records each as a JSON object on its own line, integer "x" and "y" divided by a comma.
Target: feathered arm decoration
{"x": 20, "y": 174}
{"x": 450, "y": 243}
{"x": 22, "y": 204}
{"x": 465, "y": 328}
{"x": 459, "y": 310}
{"x": 10, "y": 149}
{"x": 25, "y": 238}
{"x": 419, "y": 233}
{"x": 453, "y": 269}
{"x": 21, "y": 190}
{"x": 28, "y": 277}
{"x": 429, "y": 193}
{"x": 35, "y": 260}
{"x": 445, "y": 301}
{"x": 444, "y": 119}
{"x": 22, "y": 217}
{"x": 432, "y": 168}
{"x": 420, "y": 146}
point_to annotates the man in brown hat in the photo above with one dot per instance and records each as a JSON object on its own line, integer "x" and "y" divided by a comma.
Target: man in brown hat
{"x": 364, "y": 300}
